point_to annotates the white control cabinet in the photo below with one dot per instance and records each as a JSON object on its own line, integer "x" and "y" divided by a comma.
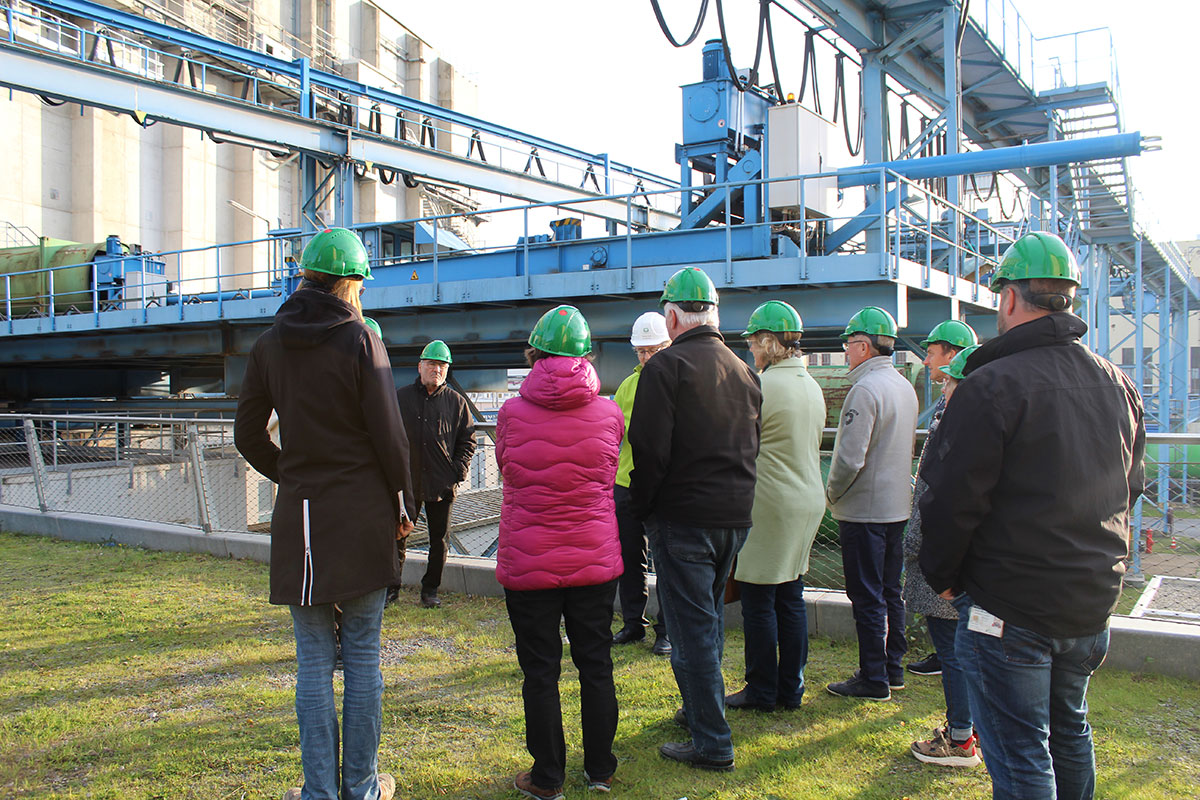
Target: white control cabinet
{"x": 798, "y": 143}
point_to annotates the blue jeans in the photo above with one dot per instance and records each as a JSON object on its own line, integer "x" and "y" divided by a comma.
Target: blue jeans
{"x": 873, "y": 559}
{"x": 1029, "y": 699}
{"x": 316, "y": 648}
{"x": 943, "y": 632}
{"x": 692, "y": 566}
{"x": 776, "y": 625}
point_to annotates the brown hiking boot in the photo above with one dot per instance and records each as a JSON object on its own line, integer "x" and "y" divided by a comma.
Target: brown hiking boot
{"x": 524, "y": 784}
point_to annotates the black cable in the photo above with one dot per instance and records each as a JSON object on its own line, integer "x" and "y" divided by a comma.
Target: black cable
{"x": 962, "y": 24}
{"x": 662, "y": 24}
{"x": 48, "y": 101}
{"x": 810, "y": 62}
{"x": 771, "y": 52}
{"x": 1006, "y": 215}
{"x": 839, "y": 98}
{"x": 725, "y": 47}
{"x": 763, "y": 5}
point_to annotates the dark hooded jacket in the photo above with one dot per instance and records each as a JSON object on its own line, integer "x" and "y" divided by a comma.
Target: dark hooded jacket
{"x": 344, "y": 455}
{"x": 1035, "y": 464}
{"x": 441, "y": 439}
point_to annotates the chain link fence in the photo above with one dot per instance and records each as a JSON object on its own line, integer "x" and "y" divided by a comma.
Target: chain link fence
{"x": 187, "y": 472}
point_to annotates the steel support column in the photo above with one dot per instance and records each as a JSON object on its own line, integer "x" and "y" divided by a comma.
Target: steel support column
{"x": 1163, "y": 412}
{"x": 874, "y": 101}
{"x": 1139, "y": 379}
{"x": 953, "y": 91}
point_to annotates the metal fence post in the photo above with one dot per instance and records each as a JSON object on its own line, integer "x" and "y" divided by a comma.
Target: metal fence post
{"x": 36, "y": 463}
{"x": 200, "y": 483}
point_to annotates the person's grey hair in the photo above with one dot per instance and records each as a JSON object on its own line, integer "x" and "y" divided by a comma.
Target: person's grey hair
{"x": 777, "y": 346}
{"x": 882, "y": 345}
{"x": 694, "y": 319}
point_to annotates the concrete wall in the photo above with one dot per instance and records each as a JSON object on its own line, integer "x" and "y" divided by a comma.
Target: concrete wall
{"x": 83, "y": 174}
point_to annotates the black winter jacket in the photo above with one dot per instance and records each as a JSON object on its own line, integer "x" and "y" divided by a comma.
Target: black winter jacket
{"x": 441, "y": 439}
{"x": 695, "y": 435}
{"x": 1036, "y": 463}
{"x": 344, "y": 454}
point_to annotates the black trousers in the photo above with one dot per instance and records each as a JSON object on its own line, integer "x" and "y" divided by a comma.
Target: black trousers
{"x": 437, "y": 520}
{"x": 634, "y": 548}
{"x": 535, "y": 617}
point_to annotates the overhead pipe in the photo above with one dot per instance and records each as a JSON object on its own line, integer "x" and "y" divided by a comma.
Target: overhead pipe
{"x": 1001, "y": 159}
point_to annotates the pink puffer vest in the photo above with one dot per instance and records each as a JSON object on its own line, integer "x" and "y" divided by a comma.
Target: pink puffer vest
{"x": 557, "y": 447}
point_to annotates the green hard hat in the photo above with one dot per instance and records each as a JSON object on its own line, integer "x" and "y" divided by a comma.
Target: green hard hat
{"x": 776, "y": 316}
{"x": 952, "y": 332}
{"x": 336, "y": 251}
{"x": 957, "y": 364}
{"x": 689, "y": 285}
{"x": 1037, "y": 255}
{"x": 562, "y": 331}
{"x": 872, "y": 321}
{"x": 436, "y": 351}
{"x": 373, "y": 325}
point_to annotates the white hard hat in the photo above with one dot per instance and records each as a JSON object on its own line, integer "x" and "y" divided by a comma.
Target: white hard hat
{"x": 649, "y": 329}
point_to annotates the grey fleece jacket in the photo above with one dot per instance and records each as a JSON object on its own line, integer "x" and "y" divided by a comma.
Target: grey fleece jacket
{"x": 870, "y": 476}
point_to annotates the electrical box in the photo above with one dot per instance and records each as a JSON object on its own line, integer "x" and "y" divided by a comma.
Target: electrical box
{"x": 798, "y": 143}
{"x": 143, "y": 289}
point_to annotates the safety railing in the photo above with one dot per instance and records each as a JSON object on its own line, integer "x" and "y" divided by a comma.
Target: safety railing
{"x": 186, "y": 472}
{"x": 167, "y": 469}
{"x": 1003, "y": 25}
{"x": 908, "y": 223}
{"x": 1079, "y": 58}
{"x": 1165, "y": 552}
{"x": 1045, "y": 63}
{"x": 281, "y": 86}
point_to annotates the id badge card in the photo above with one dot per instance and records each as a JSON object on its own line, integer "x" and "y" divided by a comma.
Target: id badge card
{"x": 981, "y": 621}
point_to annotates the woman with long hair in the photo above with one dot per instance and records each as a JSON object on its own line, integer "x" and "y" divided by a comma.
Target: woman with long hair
{"x": 342, "y": 448}
{"x": 559, "y": 556}
{"x": 789, "y": 502}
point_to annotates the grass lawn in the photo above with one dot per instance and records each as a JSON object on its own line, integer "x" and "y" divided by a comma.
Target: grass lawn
{"x": 131, "y": 674}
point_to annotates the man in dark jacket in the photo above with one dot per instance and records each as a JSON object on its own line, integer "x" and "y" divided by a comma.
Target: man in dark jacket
{"x": 1026, "y": 522}
{"x": 441, "y": 441}
{"x": 695, "y": 441}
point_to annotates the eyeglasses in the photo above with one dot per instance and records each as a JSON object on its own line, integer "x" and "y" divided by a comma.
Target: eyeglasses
{"x": 846, "y": 345}
{"x": 649, "y": 351}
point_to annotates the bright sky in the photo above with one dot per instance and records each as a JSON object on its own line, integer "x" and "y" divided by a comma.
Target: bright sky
{"x": 600, "y": 76}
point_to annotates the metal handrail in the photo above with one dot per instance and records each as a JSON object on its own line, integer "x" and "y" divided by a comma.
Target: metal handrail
{"x": 268, "y": 281}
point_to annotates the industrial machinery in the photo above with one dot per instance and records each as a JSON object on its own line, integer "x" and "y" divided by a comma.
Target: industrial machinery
{"x": 761, "y": 204}
{"x": 60, "y": 277}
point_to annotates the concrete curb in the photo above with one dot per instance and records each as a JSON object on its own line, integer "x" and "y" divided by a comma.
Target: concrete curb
{"x": 1138, "y": 645}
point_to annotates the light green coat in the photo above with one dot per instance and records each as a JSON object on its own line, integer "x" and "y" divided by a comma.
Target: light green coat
{"x": 789, "y": 497}
{"x": 624, "y": 399}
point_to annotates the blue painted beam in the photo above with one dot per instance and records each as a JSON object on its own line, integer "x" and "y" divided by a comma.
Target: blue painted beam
{"x": 92, "y": 85}
{"x": 868, "y": 217}
{"x": 999, "y": 159}
{"x": 256, "y": 60}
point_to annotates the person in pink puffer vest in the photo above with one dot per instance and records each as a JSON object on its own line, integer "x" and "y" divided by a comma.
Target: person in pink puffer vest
{"x": 559, "y": 555}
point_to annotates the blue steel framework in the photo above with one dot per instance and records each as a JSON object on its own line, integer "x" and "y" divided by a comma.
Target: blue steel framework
{"x": 980, "y": 69}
